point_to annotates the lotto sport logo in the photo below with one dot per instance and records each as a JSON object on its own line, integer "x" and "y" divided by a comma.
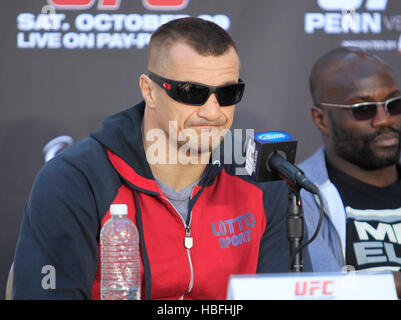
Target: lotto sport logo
{"x": 115, "y": 4}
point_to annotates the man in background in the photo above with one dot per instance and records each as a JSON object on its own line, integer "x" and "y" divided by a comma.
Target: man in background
{"x": 357, "y": 109}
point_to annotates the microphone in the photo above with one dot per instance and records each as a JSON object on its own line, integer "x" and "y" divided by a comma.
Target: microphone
{"x": 270, "y": 156}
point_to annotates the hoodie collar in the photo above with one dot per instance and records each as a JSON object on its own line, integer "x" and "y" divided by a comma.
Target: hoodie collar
{"x": 121, "y": 135}
{"x": 315, "y": 167}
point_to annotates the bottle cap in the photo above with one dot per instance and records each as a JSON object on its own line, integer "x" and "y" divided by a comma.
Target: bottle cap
{"x": 118, "y": 209}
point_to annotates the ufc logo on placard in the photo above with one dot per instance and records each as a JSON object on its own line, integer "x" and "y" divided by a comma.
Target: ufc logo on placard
{"x": 85, "y": 4}
{"x": 311, "y": 288}
{"x": 339, "y": 5}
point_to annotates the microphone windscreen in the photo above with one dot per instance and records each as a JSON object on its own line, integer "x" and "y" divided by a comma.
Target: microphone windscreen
{"x": 259, "y": 149}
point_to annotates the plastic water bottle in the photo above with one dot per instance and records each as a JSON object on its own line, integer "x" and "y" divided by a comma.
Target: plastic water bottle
{"x": 121, "y": 271}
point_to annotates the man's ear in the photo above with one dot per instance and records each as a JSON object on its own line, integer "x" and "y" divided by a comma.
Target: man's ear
{"x": 320, "y": 118}
{"x": 147, "y": 90}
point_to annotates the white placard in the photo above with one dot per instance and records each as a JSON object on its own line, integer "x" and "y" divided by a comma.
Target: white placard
{"x": 308, "y": 286}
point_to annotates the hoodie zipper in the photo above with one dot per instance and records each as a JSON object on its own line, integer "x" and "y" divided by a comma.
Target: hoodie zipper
{"x": 188, "y": 240}
{"x": 188, "y": 243}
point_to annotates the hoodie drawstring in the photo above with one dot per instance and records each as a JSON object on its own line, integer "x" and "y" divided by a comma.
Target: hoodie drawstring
{"x": 145, "y": 258}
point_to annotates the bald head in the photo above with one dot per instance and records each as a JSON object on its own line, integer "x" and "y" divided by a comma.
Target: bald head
{"x": 205, "y": 37}
{"x": 343, "y": 70}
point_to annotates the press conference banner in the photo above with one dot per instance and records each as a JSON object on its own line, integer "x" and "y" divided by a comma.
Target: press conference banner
{"x": 68, "y": 64}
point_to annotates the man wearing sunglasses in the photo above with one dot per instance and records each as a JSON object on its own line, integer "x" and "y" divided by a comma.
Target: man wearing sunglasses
{"x": 198, "y": 221}
{"x": 357, "y": 108}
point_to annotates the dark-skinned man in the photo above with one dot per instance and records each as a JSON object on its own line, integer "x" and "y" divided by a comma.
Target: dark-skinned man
{"x": 357, "y": 109}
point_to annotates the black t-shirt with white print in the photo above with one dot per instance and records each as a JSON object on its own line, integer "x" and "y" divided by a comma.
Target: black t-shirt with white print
{"x": 373, "y": 226}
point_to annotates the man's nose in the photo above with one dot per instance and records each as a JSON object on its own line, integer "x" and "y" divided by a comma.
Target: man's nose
{"x": 211, "y": 109}
{"x": 382, "y": 117}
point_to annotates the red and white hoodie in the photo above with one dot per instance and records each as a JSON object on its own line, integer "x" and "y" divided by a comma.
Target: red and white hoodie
{"x": 234, "y": 226}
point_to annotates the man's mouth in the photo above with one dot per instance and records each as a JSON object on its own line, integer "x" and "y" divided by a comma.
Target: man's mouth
{"x": 205, "y": 128}
{"x": 390, "y": 139}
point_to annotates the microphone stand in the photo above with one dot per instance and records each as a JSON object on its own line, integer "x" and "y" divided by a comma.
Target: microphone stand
{"x": 295, "y": 227}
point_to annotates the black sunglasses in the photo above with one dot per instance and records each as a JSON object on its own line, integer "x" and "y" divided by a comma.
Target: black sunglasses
{"x": 197, "y": 94}
{"x": 367, "y": 110}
